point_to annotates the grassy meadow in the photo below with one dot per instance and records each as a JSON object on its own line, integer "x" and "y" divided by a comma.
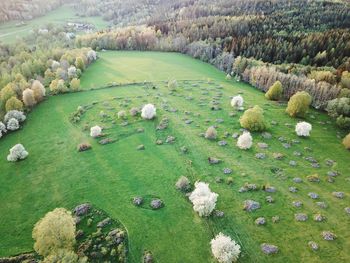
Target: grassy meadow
{"x": 10, "y": 32}
{"x": 56, "y": 175}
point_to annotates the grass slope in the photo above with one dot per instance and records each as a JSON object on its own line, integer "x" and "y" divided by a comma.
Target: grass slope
{"x": 9, "y": 32}
{"x": 56, "y": 175}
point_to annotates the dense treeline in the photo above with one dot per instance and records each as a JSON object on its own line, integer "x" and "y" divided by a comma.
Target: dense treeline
{"x": 46, "y": 60}
{"x": 26, "y": 10}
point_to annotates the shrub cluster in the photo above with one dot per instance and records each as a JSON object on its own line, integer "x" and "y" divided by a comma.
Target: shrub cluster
{"x": 299, "y": 104}
{"x": 275, "y": 91}
{"x": 253, "y": 119}
{"x": 203, "y": 199}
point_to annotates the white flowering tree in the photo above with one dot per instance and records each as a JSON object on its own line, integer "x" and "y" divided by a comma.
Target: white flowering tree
{"x": 91, "y": 55}
{"x": 224, "y": 249}
{"x": 17, "y": 152}
{"x": 12, "y": 124}
{"x": 237, "y": 101}
{"x": 95, "y": 131}
{"x": 72, "y": 72}
{"x": 203, "y": 199}
{"x": 148, "y": 112}
{"x": 245, "y": 141}
{"x": 2, "y": 129}
{"x": 18, "y": 115}
{"x": 303, "y": 129}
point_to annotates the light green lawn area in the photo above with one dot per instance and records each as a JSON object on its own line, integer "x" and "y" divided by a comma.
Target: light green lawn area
{"x": 56, "y": 175}
{"x": 9, "y": 32}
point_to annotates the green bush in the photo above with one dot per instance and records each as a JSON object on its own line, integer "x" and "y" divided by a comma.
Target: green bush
{"x": 299, "y": 104}
{"x": 253, "y": 119}
{"x": 275, "y": 91}
{"x": 338, "y": 107}
{"x": 343, "y": 122}
{"x": 344, "y": 93}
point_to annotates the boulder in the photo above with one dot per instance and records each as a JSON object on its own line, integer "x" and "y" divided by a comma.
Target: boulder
{"x": 82, "y": 209}
{"x": 268, "y": 248}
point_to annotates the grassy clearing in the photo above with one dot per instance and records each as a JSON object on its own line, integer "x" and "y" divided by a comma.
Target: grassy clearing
{"x": 9, "y": 32}
{"x": 56, "y": 175}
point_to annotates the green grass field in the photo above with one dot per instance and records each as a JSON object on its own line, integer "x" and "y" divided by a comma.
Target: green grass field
{"x": 109, "y": 176}
{"x": 9, "y": 32}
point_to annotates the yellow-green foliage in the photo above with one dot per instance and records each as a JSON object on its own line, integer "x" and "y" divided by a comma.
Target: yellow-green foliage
{"x": 75, "y": 84}
{"x": 64, "y": 256}
{"x": 14, "y": 104}
{"x": 55, "y": 231}
{"x": 346, "y": 141}
{"x": 275, "y": 91}
{"x": 79, "y": 63}
{"x": 58, "y": 86}
{"x": 253, "y": 119}
{"x": 345, "y": 79}
{"x": 299, "y": 104}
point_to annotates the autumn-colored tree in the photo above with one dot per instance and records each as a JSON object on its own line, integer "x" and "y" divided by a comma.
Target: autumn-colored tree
{"x": 28, "y": 98}
{"x": 299, "y": 104}
{"x": 79, "y": 63}
{"x": 39, "y": 90}
{"x": 75, "y": 84}
{"x": 13, "y": 104}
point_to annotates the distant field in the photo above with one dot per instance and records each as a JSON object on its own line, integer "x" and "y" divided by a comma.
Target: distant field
{"x": 109, "y": 176}
{"x": 9, "y": 32}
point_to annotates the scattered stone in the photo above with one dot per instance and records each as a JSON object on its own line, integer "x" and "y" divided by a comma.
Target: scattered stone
{"x": 184, "y": 149}
{"x": 268, "y": 248}
{"x": 260, "y": 155}
{"x": 286, "y": 145}
{"x": 218, "y": 180}
{"x": 274, "y": 122}
{"x": 262, "y": 145}
{"x": 183, "y": 184}
{"x": 293, "y": 189}
{"x": 269, "y": 189}
{"x": 269, "y": 199}
{"x": 170, "y": 139}
{"x": 104, "y": 222}
{"x": 329, "y": 162}
{"x": 106, "y": 141}
{"x": 260, "y": 221}
{"x": 315, "y": 165}
{"x": 251, "y": 205}
{"x": 275, "y": 219}
{"x": 347, "y": 210}
{"x": 292, "y": 163}
{"x": 339, "y": 195}
{"x": 188, "y": 121}
{"x": 328, "y": 235}
{"x": 310, "y": 159}
{"x": 213, "y": 160}
{"x": 296, "y": 153}
{"x": 222, "y": 143}
{"x": 313, "y": 245}
{"x": 301, "y": 217}
{"x": 314, "y": 178}
{"x": 156, "y": 203}
{"x": 332, "y": 173}
{"x": 294, "y": 141}
{"x": 313, "y": 195}
{"x": 227, "y": 171}
{"x": 148, "y": 257}
{"x": 297, "y": 180}
{"x": 140, "y": 130}
{"x": 218, "y": 213}
{"x": 266, "y": 135}
{"x": 282, "y": 139}
{"x": 84, "y": 147}
{"x": 321, "y": 205}
{"x": 226, "y": 134}
{"x": 297, "y": 204}
{"x": 248, "y": 187}
{"x": 137, "y": 200}
{"x": 235, "y": 135}
{"x": 319, "y": 217}
{"x": 308, "y": 149}
{"x": 159, "y": 142}
{"x": 140, "y": 147}
{"x": 82, "y": 209}
{"x": 116, "y": 236}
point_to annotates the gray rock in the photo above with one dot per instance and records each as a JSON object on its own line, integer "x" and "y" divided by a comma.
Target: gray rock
{"x": 292, "y": 163}
{"x": 268, "y": 248}
{"x": 270, "y": 189}
{"x": 170, "y": 139}
{"x": 296, "y": 153}
{"x": 275, "y": 219}
{"x": 260, "y": 221}
{"x": 82, "y": 209}
{"x": 313, "y": 195}
{"x": 263, "y": 145}
{"x": 319, "y": 218}
{"x": 235, "y": 135}
{"x": 321, "y": 205}
{"x": 266, "y": 135}
{"x": 104, "y": 222}
{"x": 339, "y": 195}
{"x": 251, "y": 205}
{"x": 297, "y": 204}
{"x": 218, "y": 213}
{"x": 156, "y": 203}
{"x": 301, "y": 217}
{"x": 347, "y": 210}
{"x": 269, "y": 199}
{"x": 227, "y": 171}
{"x": 332, "y": 173}
{"x": 260, "y": 155}
{"x": 213, "y": 160}
{"x": 222, "y": 143}
{"x": 328, "y": 235}
{"x": 297, "y": 180}
{"x": 293, "y": 189}
{"x": 286, "y": 145}
{"x": 313, "y": 245}
{"x": 140, "y": 147}
{"x": 137, "y": 200}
